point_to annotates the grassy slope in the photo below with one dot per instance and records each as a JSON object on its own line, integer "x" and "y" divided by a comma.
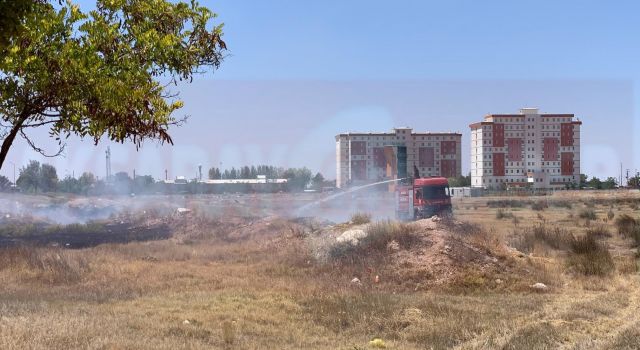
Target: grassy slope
{"x": 260, "y": 295}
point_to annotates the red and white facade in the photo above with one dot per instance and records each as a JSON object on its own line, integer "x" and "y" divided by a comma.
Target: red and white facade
{"x": 360, "y": 157}
{"x": 525, "y": 149}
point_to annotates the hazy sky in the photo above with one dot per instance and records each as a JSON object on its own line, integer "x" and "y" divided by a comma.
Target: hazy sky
{"x": 299, "y": 72}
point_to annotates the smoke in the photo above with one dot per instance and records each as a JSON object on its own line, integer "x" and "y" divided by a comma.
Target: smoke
{"x": 337, "y": 207}
{"x": 63, "y": 211}
{"x": 374, "y": 199}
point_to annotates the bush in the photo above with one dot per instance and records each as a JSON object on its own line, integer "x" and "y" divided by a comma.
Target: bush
{"x": 599, "y": 231}
{"x": 610, "y": 214}
{"x": 588, "y": 214}
{"x": 590, "y": 257}
{"x": 562, "y": 204}
{"x": 507, "y": 203}
{"x": 501, "y": 214}
{"x": 539, "y": 205}
{"x": 361, "y": 218}
{"x": 556, "y": 238}
{"x": 629, "y": 227}
{"x": 626, "y": 224}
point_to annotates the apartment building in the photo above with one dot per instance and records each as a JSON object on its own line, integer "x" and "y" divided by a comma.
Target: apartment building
{"x": 525, "y": 149}
{"x": 363, "y": 158}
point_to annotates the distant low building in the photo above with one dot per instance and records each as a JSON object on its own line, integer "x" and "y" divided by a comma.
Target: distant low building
{"x": 260, "y": 185}
{"x": 528, "y": 149}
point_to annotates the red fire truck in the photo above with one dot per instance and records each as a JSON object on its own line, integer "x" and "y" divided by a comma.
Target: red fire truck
{"x": 423, "y": 198}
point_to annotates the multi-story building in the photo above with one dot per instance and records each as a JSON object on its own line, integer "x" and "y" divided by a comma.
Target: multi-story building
{"x": 525, "y": 149}
{"x": 363, "y": 157}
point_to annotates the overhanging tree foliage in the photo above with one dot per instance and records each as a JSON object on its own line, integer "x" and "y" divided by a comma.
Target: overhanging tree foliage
{"x": 102, "y": 73}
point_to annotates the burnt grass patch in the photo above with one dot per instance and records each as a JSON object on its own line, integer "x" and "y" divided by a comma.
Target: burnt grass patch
{"x": 82, "y": 235}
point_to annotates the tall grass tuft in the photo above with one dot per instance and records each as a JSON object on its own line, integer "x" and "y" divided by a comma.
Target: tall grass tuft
{"x": 361, "y": 218}
{"x": 228, "y": 332}
{"x": 590, "y": 257}
{"x": 502, "y": 214}
{"x": 539, "y": 206}
{"x": 629, "y": 227}
{"x": 554, "y": 237}
{"x": 599, "y": 231}
{"x": 588, "y": 213}
{"x": 50, "y": 265}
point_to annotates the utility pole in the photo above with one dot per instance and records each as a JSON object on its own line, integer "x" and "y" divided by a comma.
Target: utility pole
{"x": 166, "y": 174}
{"x": 200, "y": 172}
{"x": 627, "y": 178}
{"x": 14, "y": 173}
{"x": 108, "y": 163}
{"x": 620, "y": 174}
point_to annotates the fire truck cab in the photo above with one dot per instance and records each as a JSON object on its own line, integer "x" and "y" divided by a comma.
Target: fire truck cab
{"x": 431, "y": 196}
{"x": 422, "y": 198}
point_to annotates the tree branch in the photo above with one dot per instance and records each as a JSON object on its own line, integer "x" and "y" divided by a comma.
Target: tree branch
{"x": 35, "y": 125}
{"x": 8, "y": 140}
{"x": 40, "y": 150}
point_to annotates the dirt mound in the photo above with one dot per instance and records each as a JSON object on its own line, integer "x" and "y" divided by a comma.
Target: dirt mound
{"x": 425, "y": 254}
{"x": 445, "y": 255}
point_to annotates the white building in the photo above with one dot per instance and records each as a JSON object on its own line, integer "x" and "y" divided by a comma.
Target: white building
{"x": 361, "y": 158}
{"x": 525, "y": 149}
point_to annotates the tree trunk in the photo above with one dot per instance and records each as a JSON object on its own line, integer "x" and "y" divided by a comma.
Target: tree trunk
{"x": 8, "y": 141}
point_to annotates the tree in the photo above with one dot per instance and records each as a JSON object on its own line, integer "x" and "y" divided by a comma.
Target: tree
{"x": 48, "y": 178}
{"x": 87, "y": 180}
{"x": 12, "y": 15}
{"x": 5, "y": 184}
{"x": 143, "y": 183}
{"x": 318, "y": 181}
{"x": 36, "y": 176}
{"x": 595, "y": 183}
{"x": 214, "y": 173}
{"x": 460, "y": 181}
{"x": 583, "y": 180}
{"x": 69, "y": 185}
{"x": 634, "y": 182}
{"x": 610, "y": 183}
{"x": 99, "y": 73}
{"x": 245, "y": 172}
{"x": 297, "y": 178}
{"x": 29, "y": 178}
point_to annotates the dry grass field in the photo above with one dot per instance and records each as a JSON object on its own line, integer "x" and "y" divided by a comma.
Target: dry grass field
{"x": 267, "y": 282}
